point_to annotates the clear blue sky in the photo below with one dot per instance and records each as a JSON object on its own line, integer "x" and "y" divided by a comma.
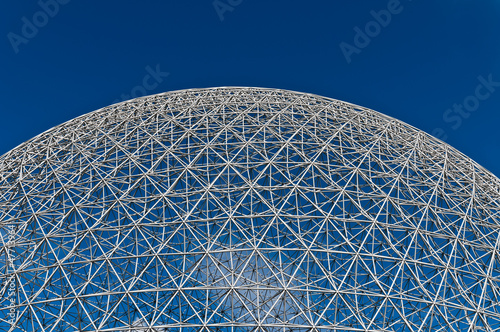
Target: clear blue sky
{"x": 412, "y": 60}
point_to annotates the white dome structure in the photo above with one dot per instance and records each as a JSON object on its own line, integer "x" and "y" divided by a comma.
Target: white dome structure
{"x": 246, "y": 209}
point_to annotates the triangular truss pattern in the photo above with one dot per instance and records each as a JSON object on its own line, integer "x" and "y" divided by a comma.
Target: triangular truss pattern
{"x": 246, "y": 209}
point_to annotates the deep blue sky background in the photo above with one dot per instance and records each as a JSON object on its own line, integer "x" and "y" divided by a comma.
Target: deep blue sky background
{"x": 91, "y": 52}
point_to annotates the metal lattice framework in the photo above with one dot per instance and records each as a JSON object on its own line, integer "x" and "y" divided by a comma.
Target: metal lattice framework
{"x": 246, "y": 209}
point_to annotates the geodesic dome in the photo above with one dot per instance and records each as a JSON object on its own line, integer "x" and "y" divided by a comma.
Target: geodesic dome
{"x": 246, "y": 209}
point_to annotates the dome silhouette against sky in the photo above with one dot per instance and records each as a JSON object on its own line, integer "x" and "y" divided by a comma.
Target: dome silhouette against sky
{"x": 246, "y": 209}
